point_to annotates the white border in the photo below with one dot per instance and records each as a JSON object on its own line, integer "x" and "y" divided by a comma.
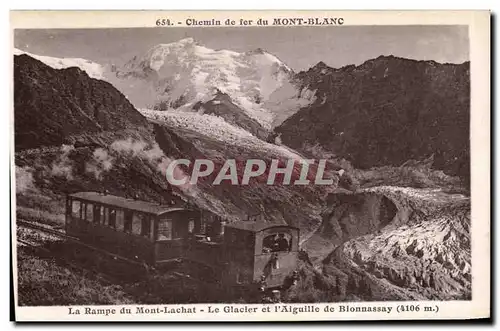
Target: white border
{"x": 143, "y": 5}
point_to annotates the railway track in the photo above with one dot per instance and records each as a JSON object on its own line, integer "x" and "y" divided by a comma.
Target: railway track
{"x": 36, "y": 245}
{"x": 100, "y": 276}
{"x": 75, "y": 240}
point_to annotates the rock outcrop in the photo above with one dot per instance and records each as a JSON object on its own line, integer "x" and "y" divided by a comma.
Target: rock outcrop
{"x": 386, "y": 111}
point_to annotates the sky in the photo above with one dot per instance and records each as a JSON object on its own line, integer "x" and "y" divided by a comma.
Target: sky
{"x": 299, "y": 47}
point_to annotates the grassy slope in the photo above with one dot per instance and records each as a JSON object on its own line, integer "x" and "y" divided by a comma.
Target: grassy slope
{"x": 42, "y": 282}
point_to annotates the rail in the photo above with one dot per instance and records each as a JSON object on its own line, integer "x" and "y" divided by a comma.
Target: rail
{"x": 77, "y": 241}
{"x": 97, "y": 275}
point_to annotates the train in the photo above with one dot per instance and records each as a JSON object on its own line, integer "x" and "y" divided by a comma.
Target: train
{"x": 237, "y": 254}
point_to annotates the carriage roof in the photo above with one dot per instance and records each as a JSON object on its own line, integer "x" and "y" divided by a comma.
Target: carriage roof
{"x": 125, "y": 203}
{"x": 257, "y": 226}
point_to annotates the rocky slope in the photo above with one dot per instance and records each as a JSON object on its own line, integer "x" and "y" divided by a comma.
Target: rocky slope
{"x": 72, "y": 133}
{"x": 193, "y": 136}
{"x": 394, "y": 244}
{"x": 93, "y": 69}
{"x": 386, "y": 111}
{"x": 52, "y": 105}
{"x": 221, "y": 105}
{"x": 87, "y": 136}
{"x": 75, "y": 133}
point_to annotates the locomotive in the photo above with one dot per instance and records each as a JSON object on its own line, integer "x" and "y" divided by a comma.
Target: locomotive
{"x": 240, "y": 253}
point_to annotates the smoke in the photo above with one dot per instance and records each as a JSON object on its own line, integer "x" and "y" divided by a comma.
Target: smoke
{"x": 100, "y": 162}
{"x": 135, "y": 147}
{"x": 139, "y": 148}
{"x": 152, "y": 153}
{"x": 62, "y": 166}
{"x": 155, "y": 154}
{"x": 24, "y": 180}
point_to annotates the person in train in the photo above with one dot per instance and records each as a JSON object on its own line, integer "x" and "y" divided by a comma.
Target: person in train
{"x": 281, "y": 243}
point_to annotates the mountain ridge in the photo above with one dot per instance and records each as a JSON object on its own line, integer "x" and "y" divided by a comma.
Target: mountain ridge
{"x": 184, "y": 72}
{"x": 53, "y": 104}
{"x": 84, "y": 134}
{"x": 368, "y": 114}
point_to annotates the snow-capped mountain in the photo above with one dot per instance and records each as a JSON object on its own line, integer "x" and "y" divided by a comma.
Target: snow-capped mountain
{"x": 179, "y": 74}
{"x": 94, "y": 70}
{"x": 374, "y": 243}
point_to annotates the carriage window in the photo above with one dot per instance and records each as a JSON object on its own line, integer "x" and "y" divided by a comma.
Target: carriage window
{"x": 97, "y": 214}
{"x": 127, "y": 221}
{"x": 222, "y": 228}
{"x": 278, "y": 242}
{"x": 112, "y": 218}
{"x": 120, "y": 220}
{"x": 191, "y": 226}
{"x": 89, "y": 216}
{"x": 145, "y": 226}
{"x": 136, "y": 223}
{"x": 75, "y": 210}
{"x": 164, "y": 229}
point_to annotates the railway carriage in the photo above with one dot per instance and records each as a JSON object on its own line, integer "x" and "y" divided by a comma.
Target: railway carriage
{"x": 237, "y": 254}
{"x": 132, "y": 228}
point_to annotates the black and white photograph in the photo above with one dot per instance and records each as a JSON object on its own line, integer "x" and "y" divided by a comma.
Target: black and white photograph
{"x": 285, "y": 165}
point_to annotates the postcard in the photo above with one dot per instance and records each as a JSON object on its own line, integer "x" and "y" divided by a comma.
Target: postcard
{"x": 250, "y": 165}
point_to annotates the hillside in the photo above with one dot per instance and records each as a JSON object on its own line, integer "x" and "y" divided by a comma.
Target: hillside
{"x": 386, "y": 111}
{"x": 185, "y": 72}
{"x": 193, "y": 136}
{"x": 73, "y": 133}
{"x": 364, "y": 239}
{"x": 221, "y": 105}
{"x": 101, "y": 146}
{"x": 94, "y": 70}
{"x": 52, "y": 105}
{"x": 181, "y": 74}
